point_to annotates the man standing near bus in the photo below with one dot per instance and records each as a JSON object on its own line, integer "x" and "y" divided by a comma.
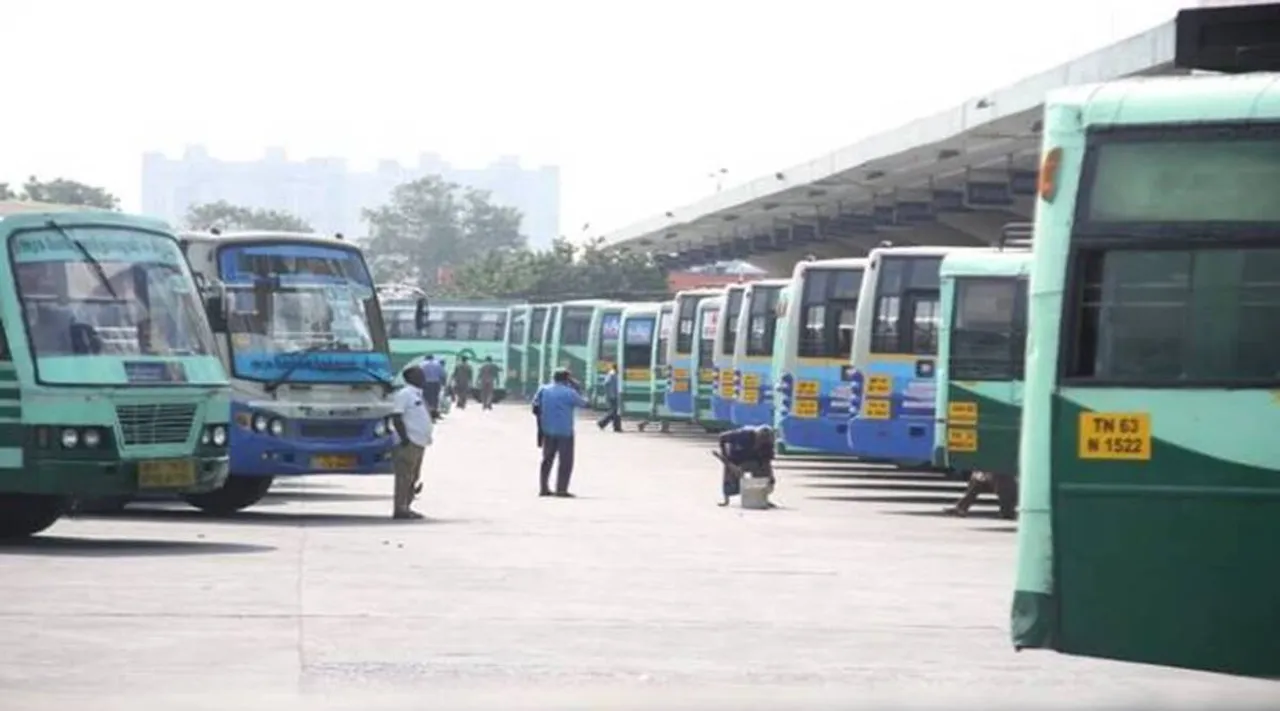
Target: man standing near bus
{"x": 489, "y": 373}
{"x": 462, "y": 376}
{"x": 433, "y": 377}
{"x": 611, "y": 401}
{"x": 555, "y": 405}
{"x": 412, "y": 424}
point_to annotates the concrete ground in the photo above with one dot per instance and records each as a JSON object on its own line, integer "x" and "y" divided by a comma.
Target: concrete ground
{"x": 639, "y": 594}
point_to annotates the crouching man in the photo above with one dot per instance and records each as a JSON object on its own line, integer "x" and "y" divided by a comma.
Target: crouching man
{"x": 749, "y": 451}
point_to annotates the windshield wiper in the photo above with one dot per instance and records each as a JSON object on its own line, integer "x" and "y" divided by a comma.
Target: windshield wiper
{"x": 301, "y": 355}
{"x": 98, "y": 271}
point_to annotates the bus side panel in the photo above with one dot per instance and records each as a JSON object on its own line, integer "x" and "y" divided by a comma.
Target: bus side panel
{"x": 815, "y": 408}
{"x": 982, "y": 426}
{"x": 1166, "y": 552}
{"x": 895, "y": 421}
{"x": 723, "y": 388}
{"x": 679, "y": 396}
{"x": 754, "y": 385}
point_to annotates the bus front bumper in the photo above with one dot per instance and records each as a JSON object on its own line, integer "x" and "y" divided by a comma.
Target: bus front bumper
{"x": 263, "y": 455}
{"x": 81, "y": 478}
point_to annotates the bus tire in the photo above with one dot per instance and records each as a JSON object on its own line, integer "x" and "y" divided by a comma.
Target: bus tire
{"x": 239, "y": 493}
{"x": 25, "y": 515}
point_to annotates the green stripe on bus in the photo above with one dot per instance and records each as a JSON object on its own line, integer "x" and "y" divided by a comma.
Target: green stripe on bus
{"x": 10, "y": 394}
{"x": 8, "y": 375}
{"x": 12, "y": 434}
{"x": 10, "y": 413}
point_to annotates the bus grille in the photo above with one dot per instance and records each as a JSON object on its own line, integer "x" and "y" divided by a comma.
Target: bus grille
{"x": 156, "y": 423}
{"x": 331, "y": 430}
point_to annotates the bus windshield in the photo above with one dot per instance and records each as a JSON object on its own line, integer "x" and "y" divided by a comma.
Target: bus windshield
{"x": 639, "y": 342}
{"x": 104, "y": 291}
{"x": 828, "y": 309}
{"x": 731, "y": 309}
{"x": 664, "y": 336}
{"x": 610, "y": 325}
{"x": 907, "y": 310}
{"x": 288, "y": 299}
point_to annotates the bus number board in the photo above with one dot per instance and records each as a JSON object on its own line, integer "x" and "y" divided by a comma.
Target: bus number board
{"x": 1123, "y": 436}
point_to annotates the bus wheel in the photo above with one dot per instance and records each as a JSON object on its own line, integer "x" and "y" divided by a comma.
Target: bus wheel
{"x": 239, "y": 493}
{"x": 24, "y": 515}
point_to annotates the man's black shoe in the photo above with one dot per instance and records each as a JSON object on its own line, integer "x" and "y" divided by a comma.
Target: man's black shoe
{"x": 565, "y": 495}
{"x": 544, "y": 493}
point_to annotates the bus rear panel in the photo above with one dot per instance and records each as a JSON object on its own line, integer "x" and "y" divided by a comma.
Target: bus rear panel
{"x": 724, "y": 393}
{"x": 703, "y": 365}
{"x": 754, "y": 353}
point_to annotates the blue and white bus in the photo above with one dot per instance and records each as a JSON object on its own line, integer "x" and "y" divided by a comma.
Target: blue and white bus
{"x": 895, "y": 351}
{"x": 722, "y": 396}
{"x": 815, "y": 387}
{"x": 680, "y": 356}
{"x": 300, "y": 332}
{"x": 753, "y": 353}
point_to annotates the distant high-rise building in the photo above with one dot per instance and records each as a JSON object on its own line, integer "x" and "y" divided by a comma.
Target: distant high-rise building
{"x": 330, "y": 196}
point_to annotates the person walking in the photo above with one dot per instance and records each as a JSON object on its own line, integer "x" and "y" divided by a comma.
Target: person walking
{"x": 611, "y": 401}
{"x": 555, "y": 405}
{"x": 412, "y": 424}
{"x": 489, "y": 373}
{"x": 433, "y": 377}
{"x": 462, "y": 378}
{"x": 746, "y": 450}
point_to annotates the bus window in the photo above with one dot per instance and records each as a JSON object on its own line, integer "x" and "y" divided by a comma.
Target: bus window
{"x": 607, "y": 350}
{"x": 1185, "y": 316}
{"x": 515, "y": 331}
{"x": 684, "y": 334}
{"x": 907, "y": 312}
{"x": 706, "y": 348}
{"x": 535, "y": 326}
{"x": 731, "y": 320}
{"x": 436, "y": 328}
{"x": 639, "y": 339}
{"x": 828, "y": 308}
{"x": 664, "y": 336}
{"x": 988, "y": 331}
{"x": 575, "y": 326}
{"x": 491, "y": 327}
{"x": 762, "y": 322}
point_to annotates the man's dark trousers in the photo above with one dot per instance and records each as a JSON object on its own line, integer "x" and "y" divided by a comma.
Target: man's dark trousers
{"x": 554, "y": 448}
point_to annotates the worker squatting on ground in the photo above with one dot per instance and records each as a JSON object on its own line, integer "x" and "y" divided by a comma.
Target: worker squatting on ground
{"x": 750, "y": 451}
{"x": 1005, "y": 488}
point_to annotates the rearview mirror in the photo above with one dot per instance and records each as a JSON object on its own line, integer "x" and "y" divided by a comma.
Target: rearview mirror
{"x": 215, "y": 306}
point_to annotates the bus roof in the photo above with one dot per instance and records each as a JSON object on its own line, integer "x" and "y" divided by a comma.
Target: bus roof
{"x": 587, "y": 302}
{"x": 768, "y": 283}
{"x": 641, "y": 309}
{"x": 915, "y": 251}
{"x": 703, "y": 291}
{"x": 1199, "y": 98}
{"x": 987, "y": 262}
{"x": 13, "y": 208}
{"x": 262, "y": 235}
{"x": 713, "y": 302}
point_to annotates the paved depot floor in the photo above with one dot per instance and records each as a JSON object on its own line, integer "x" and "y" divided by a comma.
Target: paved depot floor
{"x": 641, "y": 591}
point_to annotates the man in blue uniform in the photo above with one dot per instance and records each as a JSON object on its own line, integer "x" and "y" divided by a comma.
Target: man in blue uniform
{"x": 611, "y": 401}
{"x": 433, "y": 377}
{"x": 746, "y": 450}
{"x": 555, "y": 405}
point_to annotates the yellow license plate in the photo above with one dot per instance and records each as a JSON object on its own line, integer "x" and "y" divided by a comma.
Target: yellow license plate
{"x": 751, "y": 397}
{"x": 876, "y": 410}
{"x": 680, "y": 386}
{"x": 166, "y": 473}
{"x": 962, "y": 413}
{"x": 879, "y": 386}
{"x": 636, "y": 374}
{"x": 706, "y": 375}
{"x": 807, "y": 388}
{"x": 726, "y": 377}
{"x": 807, "y": 409}
{"x": 962, "y": 439}
{"x": 727, "y": 390}
{"x": 751, "y": 381}
{"x": 334, "y": 461}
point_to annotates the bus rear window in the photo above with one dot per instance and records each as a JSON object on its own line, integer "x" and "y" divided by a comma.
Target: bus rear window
{"x": 731, "y": 310}
{"x": 1181, "y": 317}
{"x": 684, "y": 325}
{"x": 1200, "y": 174}
{"x": 664, "y": 337}
{"x": 575, "y": 326}
{"x": 828, "y": 308}
{"x": 638, "y": 346}
{"x": 907, "y": 312}
{"x": 988, "y": 329}
{"x": 762, "y": 321}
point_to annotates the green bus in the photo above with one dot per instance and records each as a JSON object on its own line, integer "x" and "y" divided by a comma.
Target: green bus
{"x": 517, "y": 348}
{"x": 112, "y": 383}
{"x": 577, "y": 340}
{"x": 663, "y": 373}
{"x": 981, "y": 346}
{"x": 1150, "y": 465}
{"x": 635, "y": 359}
{"x": 453, "y": 330}
{"x": 535, "y": 340}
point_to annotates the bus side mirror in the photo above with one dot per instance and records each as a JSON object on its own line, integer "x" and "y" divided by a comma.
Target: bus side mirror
{"x": 420, "y": 314}
{"x": 215, "y": 307}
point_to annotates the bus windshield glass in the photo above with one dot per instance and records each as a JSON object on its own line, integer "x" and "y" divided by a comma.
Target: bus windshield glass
{"x": 610, "y": 327}
{"x": 105, "y": 291}
{"x": 664, "y": 336}
{"x": 988, "y": 329}
{"x": 302, "y": 311}
{"x": 731, "y": 309}
{"x": 575, "y": 326}
{"x": 639, "y": 342}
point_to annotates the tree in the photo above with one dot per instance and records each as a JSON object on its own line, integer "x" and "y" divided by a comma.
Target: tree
{"x": 67, "y": 192}
{"x": 224, "y": 215}
{"x": 560, "y": 273}
{"x": 431, "y": 224}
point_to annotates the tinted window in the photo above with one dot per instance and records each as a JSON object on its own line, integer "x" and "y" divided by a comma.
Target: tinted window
{"x": 731, "y": 313}
{"x": 536, "y": 323}
{"x": 828, "y": 309}
{"x": 575, "y": 326}
{"x": 762, "y": 321}
{"x": 664, "y": 336}
{"x": 988, "y": 329}
{"x": 907, "y": 312}
{"x": 684, "y": 324}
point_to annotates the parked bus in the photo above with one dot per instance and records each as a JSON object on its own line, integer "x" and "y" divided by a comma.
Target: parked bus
{"x": 781, "y": 336}
{"x": 112, "y": 384}
{"x": 606, "y": 340}
{"x": 453, "y": 330}
{"x": 663, "y": 373}
{"x": 301, "y": 333}
{"x": 725, "y": 391}
{"x": 815, "y": 385}
{"x": 534, "y": 348}
{"x": 680, "y": 346}
{"x": 635, "y": 360}
{"x": 895, "y": 352}
{"x": 981, "y": 345}
{"x": 573, "y": 326}
{"x": 753, "y": 360}
{"x": 517, "y": 348}
{"x": 1150, "y": 462}
{"x": 703, "y": 362}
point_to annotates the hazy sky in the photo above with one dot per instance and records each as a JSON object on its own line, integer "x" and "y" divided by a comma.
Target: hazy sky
{"x": 636, "y": 101}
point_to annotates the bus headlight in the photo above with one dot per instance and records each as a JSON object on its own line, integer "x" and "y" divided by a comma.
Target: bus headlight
{"x": 92, "y": 438}
{"x": 70, "y": 438}
{"x": 277, "y": 428}
{"x": 205, "y": 437}
{"x": 219, "y": 436}
{"x": 260, "y": 423}
{"x": 380, "y": 428}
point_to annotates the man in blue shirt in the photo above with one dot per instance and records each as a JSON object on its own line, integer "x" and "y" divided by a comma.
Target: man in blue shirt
{"x": 433, "y": 377}
{"x": 746, "y": 450}
{"x": 611, "y": 403}
{"x": 555, "y": 405}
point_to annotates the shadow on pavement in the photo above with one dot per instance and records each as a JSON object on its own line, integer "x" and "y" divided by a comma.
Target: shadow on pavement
{"x": 889, "y": 485}
{"x": 1011, "y": 528}
{"x": 265, "y": 518}
{"x": 974, "y": 513}
{"x": 922, "y": 499}
{"x": 318, "y": 496}
{"x": 67, "y": 547}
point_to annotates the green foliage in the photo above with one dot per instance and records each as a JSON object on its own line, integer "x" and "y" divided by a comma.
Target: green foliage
{"x": 431, "y": 223}
{"x": 64, "y": 192}
{"x": 560, "y": 273}
{"x": 225, "y": 216}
